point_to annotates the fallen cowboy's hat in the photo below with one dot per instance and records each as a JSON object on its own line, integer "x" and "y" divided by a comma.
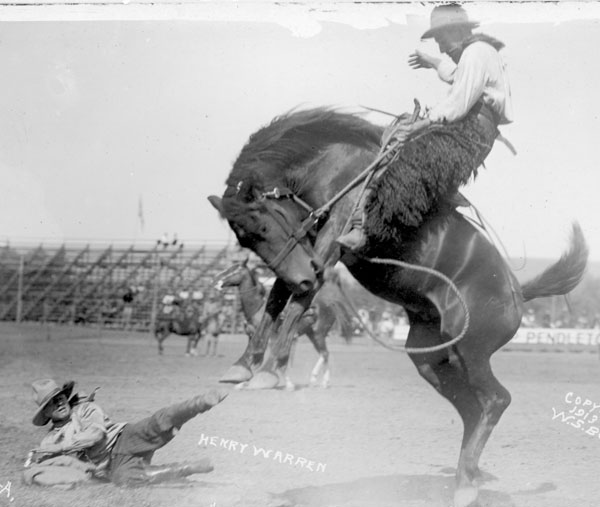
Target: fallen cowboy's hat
{"x": 446, "y": 16}
{"x": 43, "y": 391}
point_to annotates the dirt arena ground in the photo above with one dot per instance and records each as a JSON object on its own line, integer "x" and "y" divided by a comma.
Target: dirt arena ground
{"x": 382, "y": 435}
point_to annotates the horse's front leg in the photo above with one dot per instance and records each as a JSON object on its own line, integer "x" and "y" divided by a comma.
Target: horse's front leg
{"x": 253, "y": 356}
{"x": 277, "y": 353}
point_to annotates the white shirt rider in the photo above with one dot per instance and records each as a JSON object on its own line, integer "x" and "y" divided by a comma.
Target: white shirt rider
{"x": 480, "y": 73}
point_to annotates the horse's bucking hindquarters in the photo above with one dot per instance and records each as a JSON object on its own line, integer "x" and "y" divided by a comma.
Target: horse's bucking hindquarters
{"x": 283, "y": 177}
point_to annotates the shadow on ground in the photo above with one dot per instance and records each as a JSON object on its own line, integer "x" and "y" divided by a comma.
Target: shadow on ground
{"x": 384, "y": 491}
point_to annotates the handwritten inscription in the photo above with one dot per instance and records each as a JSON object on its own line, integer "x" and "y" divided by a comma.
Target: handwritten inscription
{"x": 284, "y": 458}
{"x": 6, "y": 490}
{"x": 584, "y": 414}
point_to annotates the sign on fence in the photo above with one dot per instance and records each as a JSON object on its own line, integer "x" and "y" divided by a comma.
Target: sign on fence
{"x": 537, "y": 336}
{"x": 549, "y": 336}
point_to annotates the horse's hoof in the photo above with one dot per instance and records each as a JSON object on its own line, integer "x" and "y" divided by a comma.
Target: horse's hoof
{"x": 324, "y": 385}
{"x": 465, "y": 497}
{"x": 263, "y": 380}
{"x": 290, "y": 387}
{"x": 236, "y": 374}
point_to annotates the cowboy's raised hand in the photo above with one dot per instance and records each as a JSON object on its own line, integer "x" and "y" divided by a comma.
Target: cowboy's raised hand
{"x": 420, "y": 60}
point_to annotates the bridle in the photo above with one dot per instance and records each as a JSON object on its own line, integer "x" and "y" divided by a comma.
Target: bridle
{"x": 295, "y": 236}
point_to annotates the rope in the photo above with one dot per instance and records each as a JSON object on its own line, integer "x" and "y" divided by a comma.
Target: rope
{"x": 373, "y": 336}
{"x": 450, "y": 283}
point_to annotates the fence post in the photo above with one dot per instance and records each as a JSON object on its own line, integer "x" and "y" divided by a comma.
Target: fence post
{"x": 20, "y": 289}
{"x": 153, "y": 310}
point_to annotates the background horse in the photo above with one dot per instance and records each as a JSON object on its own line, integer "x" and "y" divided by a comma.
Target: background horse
{"x": 212, "y": 319}
{"x": 181, "y": 320}
{"x": 316, "y": 323}
{"x": 300, "y": 162}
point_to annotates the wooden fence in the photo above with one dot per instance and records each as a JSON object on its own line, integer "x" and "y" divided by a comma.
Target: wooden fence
{"x": 87, "y": 284}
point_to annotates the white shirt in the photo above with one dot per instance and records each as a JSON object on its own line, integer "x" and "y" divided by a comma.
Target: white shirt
{"x": 480, "y": 72}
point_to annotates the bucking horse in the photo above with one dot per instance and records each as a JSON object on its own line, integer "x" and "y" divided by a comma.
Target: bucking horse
{"x": 291, "y": 192}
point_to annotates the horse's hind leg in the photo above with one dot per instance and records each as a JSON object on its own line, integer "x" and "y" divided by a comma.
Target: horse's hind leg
{"x": 193, "y": 344}
{"x": 160, "y": 338}
{"x": 494, "y": 399}
{"x": 314, "y": 374}
{"x": 447, "y": 374}
{"x": 317, "y": 338}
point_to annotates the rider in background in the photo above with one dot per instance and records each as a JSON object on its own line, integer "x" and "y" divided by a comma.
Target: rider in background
{"x": 479, "y": 99}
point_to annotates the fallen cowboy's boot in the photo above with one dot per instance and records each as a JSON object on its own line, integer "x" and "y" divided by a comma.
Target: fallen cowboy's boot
{"x": 156, "y": 474}
{"x": 184, "y": 411}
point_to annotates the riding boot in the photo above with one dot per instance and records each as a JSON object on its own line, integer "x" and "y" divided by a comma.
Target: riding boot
{"x": 157, "y": 474}
{"x": 183, "y": 412}
{"x": 355, "y": 239}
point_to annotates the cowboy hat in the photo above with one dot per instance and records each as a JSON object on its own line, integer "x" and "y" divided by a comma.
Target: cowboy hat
{"x": 446, "y": 16}
{"x": 43, "y": 392}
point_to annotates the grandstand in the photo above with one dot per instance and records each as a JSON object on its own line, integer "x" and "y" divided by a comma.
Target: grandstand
{"x": 85, "y": 284}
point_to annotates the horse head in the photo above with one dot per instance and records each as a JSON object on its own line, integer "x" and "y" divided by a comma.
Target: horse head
{"x": 285, "y": 172}
{"x": 233, "y": 276}
{"x": 269, "y": 227}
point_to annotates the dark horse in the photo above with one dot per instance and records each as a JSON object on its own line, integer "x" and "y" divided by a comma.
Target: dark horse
{"x": 182, "y": 320}
{"x": 327, "y": 308}
{"x": 296, "y": 165}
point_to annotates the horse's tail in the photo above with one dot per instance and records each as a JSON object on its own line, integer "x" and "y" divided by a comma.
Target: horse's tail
{"x": 565, "y": 274}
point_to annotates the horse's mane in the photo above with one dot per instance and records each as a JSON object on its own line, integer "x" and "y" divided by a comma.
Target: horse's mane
{"x": 273, "y": 152}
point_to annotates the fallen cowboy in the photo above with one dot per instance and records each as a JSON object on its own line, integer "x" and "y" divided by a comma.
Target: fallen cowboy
{"x": 83, "y": 443}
